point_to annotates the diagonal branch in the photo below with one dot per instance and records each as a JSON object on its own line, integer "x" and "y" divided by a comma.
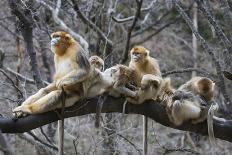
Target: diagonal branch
{"x": 221, "y": 83}
{"x": 90, "y": 23}
{"x": 152, "y": 109}
{"x": 208, "y": 13}
{"x": 137, "y": 14}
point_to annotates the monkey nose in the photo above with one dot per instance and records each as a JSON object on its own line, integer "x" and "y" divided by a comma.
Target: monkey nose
{"x": 55, "y": 41}
{"x": 135, "y": 57}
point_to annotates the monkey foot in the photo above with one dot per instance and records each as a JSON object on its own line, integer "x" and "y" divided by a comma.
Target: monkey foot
{"x": 19, "y": 114}
{"x": 20, "y": 111}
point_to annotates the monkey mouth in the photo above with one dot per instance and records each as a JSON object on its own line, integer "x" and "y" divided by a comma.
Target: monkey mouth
{"x": 54, "y": 41}
{"x": 135, "y": 58}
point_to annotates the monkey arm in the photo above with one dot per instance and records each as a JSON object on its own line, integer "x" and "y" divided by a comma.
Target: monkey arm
{"x": 72, "y": 78}
{"x": 78, "y": 75}
{"x": 123, "y": 90}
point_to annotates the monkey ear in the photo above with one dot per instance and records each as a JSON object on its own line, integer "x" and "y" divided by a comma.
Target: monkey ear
{"x": 155, "y": 83}
{"x": 147, "y": 52}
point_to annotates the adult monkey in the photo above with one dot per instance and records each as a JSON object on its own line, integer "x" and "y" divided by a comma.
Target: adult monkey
{"x": 143, "y": 64}
{"x": 72, "y": 68}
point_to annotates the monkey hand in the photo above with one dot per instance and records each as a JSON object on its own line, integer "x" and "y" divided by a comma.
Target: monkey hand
{"x": 134, "y": 100}
{"x": 62, "y": 83}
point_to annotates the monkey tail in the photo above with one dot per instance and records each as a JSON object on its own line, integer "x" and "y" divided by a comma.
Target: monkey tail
{"x": 101, "y": 100}
{"x": 213, "y": 108}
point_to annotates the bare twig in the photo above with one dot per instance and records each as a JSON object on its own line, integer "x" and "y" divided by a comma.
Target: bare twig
{"x": 200, "y": 71}
{"x": 90, "y": 23}
{"x": 26, "y": 22}
{"x": 38, "y": 146}
{"x": 20, "y": 76}
{"x": 127, "y": 19}
{"x": 207, "y": 12}
{"x": 156, "y": 32}
{"x": 42, "y": 142}
{"x": 221, "y": 83}
{"x": 126, "y": 139}
{"x": 12, "y": 82}
{"x": 130, "y": 29}
{"x": 5, "y": 146}
{"x": 82, "y": 41}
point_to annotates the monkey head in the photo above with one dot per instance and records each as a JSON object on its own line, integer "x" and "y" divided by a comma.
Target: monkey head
{"x": 121, "y": 72}
{"x": 205, "y": 87}
{"x": 61, "y": 40}
{"x": 139, "y": 54}
{"x": 150, "y": 81}
{"x": 97, "y": 62}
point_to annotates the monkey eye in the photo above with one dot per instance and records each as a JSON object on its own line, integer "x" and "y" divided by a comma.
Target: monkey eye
{"x": 136, "y": 53}
{"x": 145, "y": 54}
{"x": 55, "y": 36}
{"x": 66, "y": 38}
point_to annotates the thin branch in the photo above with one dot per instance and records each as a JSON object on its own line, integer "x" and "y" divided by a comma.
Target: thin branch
{"x": 130, "y": 29}
{"x": 126, "y": 139}
{"x": 156, "y": 32}
{"x": 20, "y": 76}
{"x": 123, "y": 20}
{"x": 90, "y": 23}
{"x": 60, "y": 22}
{"x": 200, "y": 71}
{"x": 42, "y": 142}
{"x": 12, "y": 82}
{"x": 221, "y": 83}
{"x": 207, "y": 12}
{"x": 26, "y": 23}
{"x": 127, "y": 19}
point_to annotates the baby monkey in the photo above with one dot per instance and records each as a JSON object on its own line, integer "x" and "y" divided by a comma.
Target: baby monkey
{"x": 149, "y": 89}
{"x": 191, "y": 101}
{"x": 97, "y": 62}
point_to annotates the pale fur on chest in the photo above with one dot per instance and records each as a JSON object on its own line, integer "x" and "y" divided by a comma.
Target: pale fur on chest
{"x": 63, "y": 67}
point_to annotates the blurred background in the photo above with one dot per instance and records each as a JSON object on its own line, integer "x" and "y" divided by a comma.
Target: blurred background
{"x": 111, "y": 28}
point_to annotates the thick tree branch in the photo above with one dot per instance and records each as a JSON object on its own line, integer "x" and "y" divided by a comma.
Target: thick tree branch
{"x": 151, "y": 109}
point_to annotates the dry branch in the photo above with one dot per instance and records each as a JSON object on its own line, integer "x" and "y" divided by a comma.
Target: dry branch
{"x": 130, "y": 29}
{"x": 204, "y": 44}
{"x": 151, "y": 109}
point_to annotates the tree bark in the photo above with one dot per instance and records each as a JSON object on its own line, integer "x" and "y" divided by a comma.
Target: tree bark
{"x": 152, "y": 109}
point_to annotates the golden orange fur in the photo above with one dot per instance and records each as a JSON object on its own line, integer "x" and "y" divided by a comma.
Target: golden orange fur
{"x": 72, "y": 68}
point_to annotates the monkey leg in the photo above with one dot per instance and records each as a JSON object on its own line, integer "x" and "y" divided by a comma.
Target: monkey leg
{"x": 73, "y": 78}
{"x": 44, "y": 104}
{"x": 202, "y": 117}
{"x": 47, "y": 103}
{"x": 42, "y": 92}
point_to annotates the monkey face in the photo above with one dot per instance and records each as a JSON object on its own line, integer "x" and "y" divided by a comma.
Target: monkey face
{"x": 60, "y": 38}
{"x": 205, "y": 85}
{"x": 96, "y": 62}
{"x": 139, "y": 53}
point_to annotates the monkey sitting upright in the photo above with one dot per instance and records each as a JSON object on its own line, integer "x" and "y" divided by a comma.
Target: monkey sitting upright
{"x": 192, "y": 107}
{"x": 71, "y": 69}
{"x": 143, "y": 63}
{"x": 144, "y": 66}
